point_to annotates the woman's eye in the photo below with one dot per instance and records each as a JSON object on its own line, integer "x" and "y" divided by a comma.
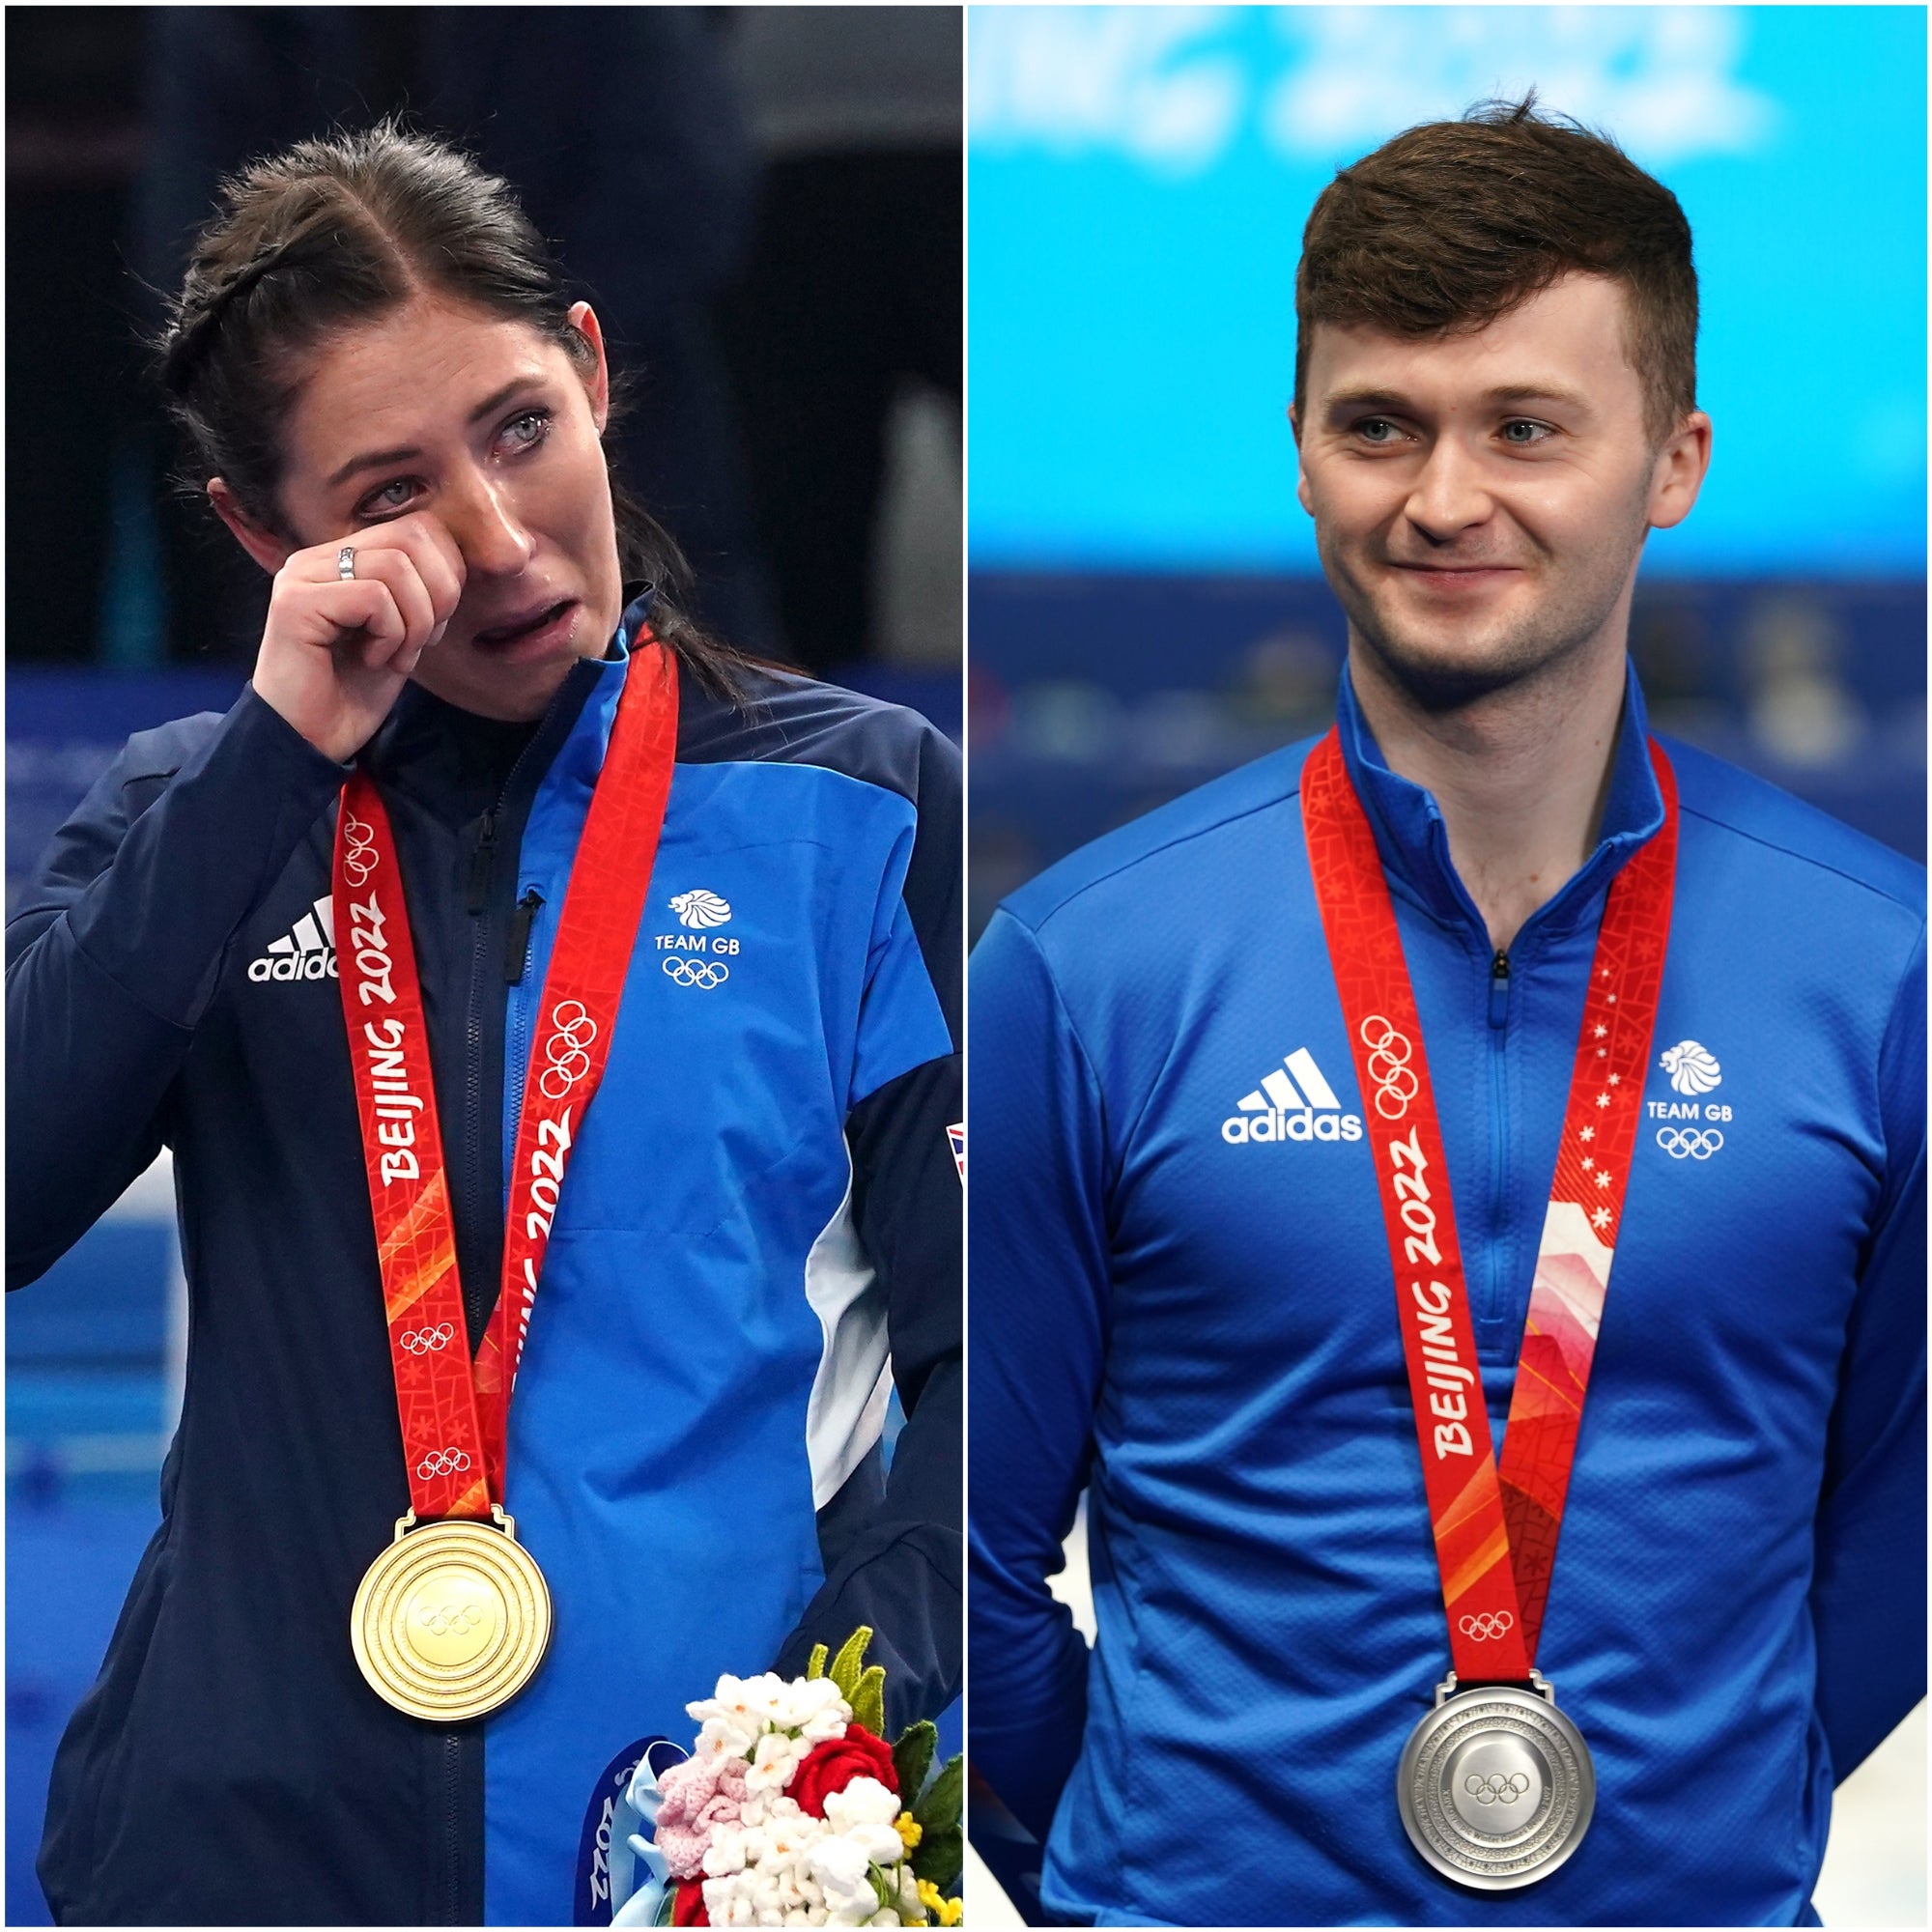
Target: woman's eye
{"x": 386, "y": 498}
{"x": 527, "y": 430}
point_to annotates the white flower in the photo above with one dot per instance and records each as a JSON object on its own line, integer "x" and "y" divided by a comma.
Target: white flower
{"x": 726, "y": 1852}
{"x": 731, "y": 1720}
{"x": 774, "y": 1759}
{"x": 841, "y": 1867}
{"x": 815, "y": 1710}
{"x": 862, "y": 1801}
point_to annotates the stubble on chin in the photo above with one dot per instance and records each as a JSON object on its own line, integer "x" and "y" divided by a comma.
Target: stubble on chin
{"x": 1465, "y": 659}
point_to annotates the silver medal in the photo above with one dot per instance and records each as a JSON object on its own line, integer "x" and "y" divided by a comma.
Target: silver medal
{"x": 1495, "y": 1787}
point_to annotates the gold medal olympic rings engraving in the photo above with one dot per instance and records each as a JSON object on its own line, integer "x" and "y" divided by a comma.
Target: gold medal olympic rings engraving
{"x": 705, "y": 973}
{"x": 359, "y": 857}
{"x": 1389, "y": 1051}
{"x": 1497, "y": 1789}
{"x": 572, "y": 1029}
{"x": 421, "y": 1340}
{"x": 1491, "y": 1623}
{"x": 450, "y": 1462}
{"x": 451, "y": 1620}
{"x": 1692, "y": 1143}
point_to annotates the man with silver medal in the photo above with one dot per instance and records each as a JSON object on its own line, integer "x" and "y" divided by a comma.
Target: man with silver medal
{"x": 1187, "y": 1314}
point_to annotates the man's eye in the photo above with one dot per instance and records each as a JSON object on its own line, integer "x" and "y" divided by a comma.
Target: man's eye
{"x": 1526, "y": 435}
{"x": 1376, "y": 429}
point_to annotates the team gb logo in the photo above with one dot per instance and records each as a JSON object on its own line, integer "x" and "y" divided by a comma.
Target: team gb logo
{"x": 1691, "y": 1068}
{"x": 700, "y": 908}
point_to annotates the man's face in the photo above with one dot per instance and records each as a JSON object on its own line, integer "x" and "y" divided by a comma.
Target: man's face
{"x": 1480, "y": 501}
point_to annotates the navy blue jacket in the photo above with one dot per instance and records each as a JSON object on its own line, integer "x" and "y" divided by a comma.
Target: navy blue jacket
{"x": 762, "y": 1202}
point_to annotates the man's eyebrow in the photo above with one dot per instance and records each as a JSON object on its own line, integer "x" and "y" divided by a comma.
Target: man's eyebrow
{"x": 377, "y": 459}
{"x": 1504, "y": 394}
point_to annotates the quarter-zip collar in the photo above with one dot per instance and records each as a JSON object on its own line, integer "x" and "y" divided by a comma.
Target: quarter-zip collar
{"x": 1414, "y": 841}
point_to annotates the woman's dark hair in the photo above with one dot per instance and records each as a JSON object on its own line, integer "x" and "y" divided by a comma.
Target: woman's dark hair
{"x": 342, "y": 230}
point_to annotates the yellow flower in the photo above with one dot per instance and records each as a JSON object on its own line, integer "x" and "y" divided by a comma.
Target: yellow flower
{"x": 945, "y": 1911}
{"x": 909, "y": 1829}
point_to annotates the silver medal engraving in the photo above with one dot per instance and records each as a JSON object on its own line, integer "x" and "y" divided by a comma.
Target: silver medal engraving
{"x": 1496, "y": 1786}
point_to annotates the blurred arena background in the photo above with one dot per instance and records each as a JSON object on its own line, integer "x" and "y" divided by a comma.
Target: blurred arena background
{"x": 1145, "y": 606}
{"x": 764, "y": 204}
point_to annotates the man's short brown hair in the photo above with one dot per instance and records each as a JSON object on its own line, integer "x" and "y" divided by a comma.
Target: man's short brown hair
{"x": 1455, "y": 223}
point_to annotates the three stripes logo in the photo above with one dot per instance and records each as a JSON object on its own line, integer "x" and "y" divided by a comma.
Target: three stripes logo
{"x": 1292, "y": 1103}
{"x": 307, "y": 953}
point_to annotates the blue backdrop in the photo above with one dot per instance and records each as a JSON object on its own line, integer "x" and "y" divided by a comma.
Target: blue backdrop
{"x": 1139, "y": 177}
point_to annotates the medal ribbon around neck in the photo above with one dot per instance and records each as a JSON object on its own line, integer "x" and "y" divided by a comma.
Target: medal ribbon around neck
{"x": 454, "y": 1418}
{"x": 1495, "y": 1532}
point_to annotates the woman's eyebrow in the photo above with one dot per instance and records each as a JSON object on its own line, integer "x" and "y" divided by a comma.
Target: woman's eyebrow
{"x": 489, "y": 405}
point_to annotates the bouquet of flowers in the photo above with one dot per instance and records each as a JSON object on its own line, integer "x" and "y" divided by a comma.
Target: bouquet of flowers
{"x": 794, "y": 1811}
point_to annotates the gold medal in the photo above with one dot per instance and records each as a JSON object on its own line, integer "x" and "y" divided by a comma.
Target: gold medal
{"x": 452, "y": 1619}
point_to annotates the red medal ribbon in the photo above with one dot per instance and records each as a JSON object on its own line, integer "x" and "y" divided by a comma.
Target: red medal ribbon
{"x": 1495, "y": 1535}
{"x": 455, "y": 1417}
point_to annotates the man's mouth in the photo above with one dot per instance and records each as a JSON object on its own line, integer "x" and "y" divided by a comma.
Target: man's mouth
{"x": 537, "y": 619}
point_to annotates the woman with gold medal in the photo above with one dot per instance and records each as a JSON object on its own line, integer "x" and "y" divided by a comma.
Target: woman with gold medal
{"x": 552, "y": 1015}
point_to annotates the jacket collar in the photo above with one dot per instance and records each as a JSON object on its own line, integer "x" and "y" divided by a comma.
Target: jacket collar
{"x": 1414, "y": 842}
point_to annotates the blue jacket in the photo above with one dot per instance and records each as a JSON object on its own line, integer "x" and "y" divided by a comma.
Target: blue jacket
{"x": 1194, "y": 1321}
{"x": 761, "y": 1204}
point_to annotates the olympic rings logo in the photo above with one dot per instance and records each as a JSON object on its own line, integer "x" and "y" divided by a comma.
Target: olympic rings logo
{"x": 452, "y": 1619}
{"x": 1491, "y": 1623}
{"x": 1694, "y": 1143}
{"x": 705, "y": 973}
{"x": 1396, "y": 1084}
{"x": 359, "y": 857}
{"x": 1497, "y": 1789}
{"x": 450, "y": 1462}
{"x": 566, "y": 1048}
{"x": 421, "y": 1340}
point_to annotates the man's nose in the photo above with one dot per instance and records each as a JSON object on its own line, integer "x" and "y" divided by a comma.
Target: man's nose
{"x": 1450, "y": 494}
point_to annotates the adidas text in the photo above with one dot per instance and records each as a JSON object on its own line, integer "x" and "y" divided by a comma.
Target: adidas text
{"x": 306, "y": 952}
{"x": 1276, "y": 1125}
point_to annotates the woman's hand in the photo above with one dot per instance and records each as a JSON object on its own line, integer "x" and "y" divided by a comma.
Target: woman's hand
{"x": 336, "y": 650}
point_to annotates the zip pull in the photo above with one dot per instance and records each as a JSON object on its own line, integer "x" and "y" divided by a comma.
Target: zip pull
{"x": 518, "y": 951}
{"x": 1499, "y": 989}
{"x": 482, "y": 863}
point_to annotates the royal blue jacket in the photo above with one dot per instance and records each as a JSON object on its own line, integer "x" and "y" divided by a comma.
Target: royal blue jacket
{"x": 761, "y": 1204}
{"x": 1193, "y": 1320}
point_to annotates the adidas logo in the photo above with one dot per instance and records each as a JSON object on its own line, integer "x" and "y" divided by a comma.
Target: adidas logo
{"x": 306, "y": 952}
{"x": 1292, "y": 1103}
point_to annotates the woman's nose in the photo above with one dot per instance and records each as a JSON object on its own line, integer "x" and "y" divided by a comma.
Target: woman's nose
{"x": 488, "y": 529}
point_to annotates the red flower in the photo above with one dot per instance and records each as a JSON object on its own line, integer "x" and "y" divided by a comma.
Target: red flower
{"x": 687, "y": 1906}
{"x": 834, "y": 1763}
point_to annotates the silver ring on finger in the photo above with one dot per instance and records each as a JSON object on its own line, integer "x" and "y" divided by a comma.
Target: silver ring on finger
{"x": 345, "y": 562}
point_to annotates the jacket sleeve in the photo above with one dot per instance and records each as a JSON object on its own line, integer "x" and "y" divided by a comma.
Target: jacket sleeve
{"x": 1868, "y": 1583}
{"x": 116, "y": 946}
{"x": 899, "y": 1571}
{"x": 1040, "y": 1298}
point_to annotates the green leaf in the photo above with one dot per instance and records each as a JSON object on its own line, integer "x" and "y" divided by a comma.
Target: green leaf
{"x": 912, "y": 1759}
{"x": 887, "y": 1895}
{"x": 869, "y": 1700}
{"x": 850, "y": 1661}
{"x": 939, "y": 1806}
{"x": 816, "y": 1668}
{"x": 939, "y": 1857}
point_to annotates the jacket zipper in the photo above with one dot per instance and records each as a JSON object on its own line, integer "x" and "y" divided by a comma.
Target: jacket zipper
{"x": 1499, "y": 992}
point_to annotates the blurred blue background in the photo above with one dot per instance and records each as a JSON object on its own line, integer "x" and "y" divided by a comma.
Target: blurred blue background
{"x": 1144, "y": 608}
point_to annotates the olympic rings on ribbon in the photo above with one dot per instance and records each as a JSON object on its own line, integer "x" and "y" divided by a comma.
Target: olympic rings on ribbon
{"x": 573, "y": 1035}
{"x": 1496, "y": 1788}
{"x": 1695, "y": 1142}
{"x": 705, "y": 973}
{"x": 361, "y": 858}
{"x": 1489, "y": 1624}
{"x": 1392, "y": 1049}
{"x": 421, "y": 1340}
{"x": 450, "y": 1462}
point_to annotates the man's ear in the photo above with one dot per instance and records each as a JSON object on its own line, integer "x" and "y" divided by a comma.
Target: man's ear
{"x": 1300, "y": 469}
{"x": 262, "y": 545}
